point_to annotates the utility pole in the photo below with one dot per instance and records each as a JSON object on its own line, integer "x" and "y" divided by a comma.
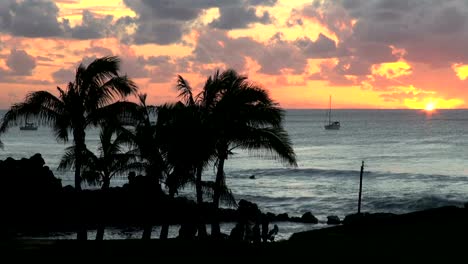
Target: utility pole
{"x": 360, "y": 188}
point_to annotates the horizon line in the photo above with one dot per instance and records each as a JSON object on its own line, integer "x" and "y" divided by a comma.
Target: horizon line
{"x": 383, "y": 109}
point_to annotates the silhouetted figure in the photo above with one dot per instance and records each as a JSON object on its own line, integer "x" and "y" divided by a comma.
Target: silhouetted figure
{"x": 265, "y": 228}
{"x": 273, "y": 233}
{"x": 256, "y": 234}
{"x": 252, "y": 177}
{"x": 237, "y": 233}
{"x": 248, "y": 233}
{"x": 131, "y": 178}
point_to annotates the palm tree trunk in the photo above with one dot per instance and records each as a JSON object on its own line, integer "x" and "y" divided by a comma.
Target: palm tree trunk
{"x": 164, "y": 231}
{"x": 80, "y": 146}
{"x": 215, "y": 228}
{"x": 101, "y": 225}
{"x": 147, "y": 232}
{"x": 82, "y": 233}
{"x": 100, "y": 232}
{"x": 105, "y": 183}
{"x": 165, "y": 226}
{"x": 198, "y": 186}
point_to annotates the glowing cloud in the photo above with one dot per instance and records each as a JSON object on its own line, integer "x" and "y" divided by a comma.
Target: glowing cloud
{"x": 461, "y": 70}
{"x": 392, "y": 70}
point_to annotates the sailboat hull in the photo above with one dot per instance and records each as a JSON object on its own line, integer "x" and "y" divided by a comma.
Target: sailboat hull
{"x": 333, "y": 126}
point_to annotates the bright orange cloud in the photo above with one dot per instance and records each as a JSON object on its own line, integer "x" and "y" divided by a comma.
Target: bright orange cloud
{"x": 392, "y": 70}
{"x": 461, "y": 70}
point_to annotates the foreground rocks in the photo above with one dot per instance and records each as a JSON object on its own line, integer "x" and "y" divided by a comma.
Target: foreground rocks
{"x": 33, "y": 200}
{"x": 434, "y": 235}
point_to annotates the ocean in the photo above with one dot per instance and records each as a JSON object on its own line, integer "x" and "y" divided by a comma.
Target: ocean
{"x": 413, "y": 159}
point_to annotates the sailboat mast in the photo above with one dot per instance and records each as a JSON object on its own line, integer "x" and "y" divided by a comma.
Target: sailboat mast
{"x": 329, "y": 112}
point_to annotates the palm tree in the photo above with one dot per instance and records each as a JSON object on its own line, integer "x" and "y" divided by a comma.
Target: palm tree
{"x": 146, "y": 143}
{"x": 243, "y": 115}
{"x": 112, "y": 160}
{"x": 99, "y": 170}
{"x": 85, "y": 102}
{"x": 201, "y": 147}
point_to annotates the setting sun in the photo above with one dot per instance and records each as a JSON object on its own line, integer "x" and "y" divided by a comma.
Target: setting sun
{"x": 430, "y": 106}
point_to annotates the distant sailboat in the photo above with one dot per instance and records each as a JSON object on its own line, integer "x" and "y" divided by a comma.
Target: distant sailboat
{"x": 335, "y": 125}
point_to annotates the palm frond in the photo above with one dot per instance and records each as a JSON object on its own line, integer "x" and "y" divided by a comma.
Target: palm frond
{"x": 118, "y": 86}
{"x": 268, "y": 142}
{"x": 41, "y": 105}
{"x": 99, "y": 70}
{"x": 185, "y": 91}
{"x": 227, "y": 197}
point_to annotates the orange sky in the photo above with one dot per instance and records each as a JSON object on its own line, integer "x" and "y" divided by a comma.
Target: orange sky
{"x": 366, "y": 54}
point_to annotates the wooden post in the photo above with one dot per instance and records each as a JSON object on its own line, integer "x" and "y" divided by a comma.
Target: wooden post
{"x": 360, "y": 188}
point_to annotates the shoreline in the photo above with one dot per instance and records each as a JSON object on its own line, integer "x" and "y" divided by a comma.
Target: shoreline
{"x": 437, "y": 232}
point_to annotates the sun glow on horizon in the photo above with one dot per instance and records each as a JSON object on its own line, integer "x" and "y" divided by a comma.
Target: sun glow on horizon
{"x": 431, "y": 104}
{"x": 430, "y": 107}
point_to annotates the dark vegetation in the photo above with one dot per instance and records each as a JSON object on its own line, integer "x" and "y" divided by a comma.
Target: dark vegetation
{"x": 169, "y": 145}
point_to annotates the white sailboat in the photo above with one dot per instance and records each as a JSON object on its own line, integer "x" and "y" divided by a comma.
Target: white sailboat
{"x": 335, "y": 125}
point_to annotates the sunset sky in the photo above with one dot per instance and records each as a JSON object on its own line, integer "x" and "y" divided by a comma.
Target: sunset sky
{"x": 365, "y": 53}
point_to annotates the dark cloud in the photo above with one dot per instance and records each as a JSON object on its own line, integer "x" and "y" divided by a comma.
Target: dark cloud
{"x": 159, "y": 32}
{"x": 330, "y": 72}
{"x": 432, "y": 32}
{"x": 239, "y": 17}
{"x": 30, "y": 18}
{"x": 39, "y": 18}
{"x": 157, "y": 60}
{"x": 63, "y": 76}
{"x": 92, "y": 27}
{"x": 276, "y": 56}
{"x": 262, "y": 2}
{"x": 216, "y": 47}
{"x": 20, "y": 63}
{"x": 323, "y": 47}
{"x": 165, "y": 22}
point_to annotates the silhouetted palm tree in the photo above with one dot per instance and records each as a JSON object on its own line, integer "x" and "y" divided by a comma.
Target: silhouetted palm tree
{"x": 84, "y": 103}
{"x": 179, "y": 138}
{"x": 146, "y": 143}
{"x": 202, "y": 143}
{"x": 99, "y": 170}
{"x": 242, "y": 115}
{"x": 112, "y": 160}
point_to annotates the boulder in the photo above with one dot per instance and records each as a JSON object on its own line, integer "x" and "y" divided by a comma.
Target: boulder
{"x": 333, "y": 220}
{"x": 282, "y": 217}
{"x": 309, "y": 218}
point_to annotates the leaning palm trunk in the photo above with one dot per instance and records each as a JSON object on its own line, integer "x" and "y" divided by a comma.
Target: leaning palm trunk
{"x": 215, "y": 228}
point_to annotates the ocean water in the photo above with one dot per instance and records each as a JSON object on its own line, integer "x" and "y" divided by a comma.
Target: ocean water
{"x": 413, "y": 160}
